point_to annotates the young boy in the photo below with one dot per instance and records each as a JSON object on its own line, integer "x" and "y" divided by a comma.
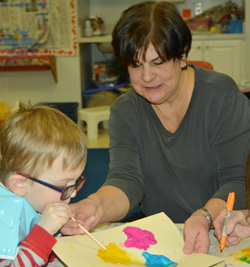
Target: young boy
{"x": 42, "y": 156}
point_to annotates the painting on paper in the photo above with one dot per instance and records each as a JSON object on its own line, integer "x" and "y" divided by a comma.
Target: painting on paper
{"x": 151, "y": 241}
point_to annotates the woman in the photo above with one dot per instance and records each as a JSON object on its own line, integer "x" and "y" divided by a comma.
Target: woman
{"x": 178, "y": 139}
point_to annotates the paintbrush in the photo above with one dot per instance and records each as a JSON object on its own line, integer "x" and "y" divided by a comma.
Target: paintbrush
{"x": 88, "y": 233}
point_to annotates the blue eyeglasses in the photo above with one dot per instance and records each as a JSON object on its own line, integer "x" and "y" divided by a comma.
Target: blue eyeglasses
{"x": 66, "y": 192}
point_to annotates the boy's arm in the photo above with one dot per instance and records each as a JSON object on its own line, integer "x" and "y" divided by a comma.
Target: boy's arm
{"x": 34, "y": 250}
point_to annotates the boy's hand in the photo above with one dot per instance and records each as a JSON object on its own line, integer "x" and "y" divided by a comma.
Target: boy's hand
{"x": 54, "y": 216}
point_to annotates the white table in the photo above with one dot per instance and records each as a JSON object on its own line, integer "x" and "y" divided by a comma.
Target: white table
{"x": 215, "y": 250}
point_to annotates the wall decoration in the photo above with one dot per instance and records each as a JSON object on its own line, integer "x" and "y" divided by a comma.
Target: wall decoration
{"x": 38, "y": 27}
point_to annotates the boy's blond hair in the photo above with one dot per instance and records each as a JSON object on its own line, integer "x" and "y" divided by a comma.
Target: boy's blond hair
{"x": 33, "y": 137}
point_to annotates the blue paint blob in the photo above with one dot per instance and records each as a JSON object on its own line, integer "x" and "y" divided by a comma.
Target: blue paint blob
{"x": 157, "y": 260}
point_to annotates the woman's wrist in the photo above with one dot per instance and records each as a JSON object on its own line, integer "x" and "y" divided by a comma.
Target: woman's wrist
{"x": 207, "y": 215}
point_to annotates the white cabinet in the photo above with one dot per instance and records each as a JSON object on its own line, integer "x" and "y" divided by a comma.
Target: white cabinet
{"x": 196, "y": 52}
{"x": 224, "y": 55}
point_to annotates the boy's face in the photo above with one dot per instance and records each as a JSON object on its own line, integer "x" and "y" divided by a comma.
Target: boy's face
{"x": 39, "y": 195}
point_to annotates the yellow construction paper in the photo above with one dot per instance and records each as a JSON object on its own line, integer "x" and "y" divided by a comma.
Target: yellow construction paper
{"x": 80, "y": 250}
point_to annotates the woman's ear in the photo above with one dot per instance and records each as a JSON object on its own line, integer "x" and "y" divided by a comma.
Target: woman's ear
{"x": 184, "y": 57}
{"x": 17, "y": 184}
{"x": 183, "y": 60}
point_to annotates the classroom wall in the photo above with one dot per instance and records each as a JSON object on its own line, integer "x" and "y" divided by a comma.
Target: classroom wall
{"x": 40, "y": 86}
{"x": 246, "y": 72}
{"x": 206, "y": 4}
{"x": 112, "y": 9}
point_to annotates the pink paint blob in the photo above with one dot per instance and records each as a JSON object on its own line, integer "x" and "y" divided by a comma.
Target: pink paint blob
{"x": 138, "y": 238}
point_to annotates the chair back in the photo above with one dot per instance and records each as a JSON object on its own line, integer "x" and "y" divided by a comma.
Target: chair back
{"x": 202, "y": 64}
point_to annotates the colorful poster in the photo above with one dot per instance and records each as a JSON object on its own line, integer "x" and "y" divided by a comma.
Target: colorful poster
{"x": 35, "y": 27}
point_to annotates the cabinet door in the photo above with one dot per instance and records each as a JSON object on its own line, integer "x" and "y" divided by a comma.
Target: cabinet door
{"x": 196, "y": 52}
{"x": 225, "y": 56}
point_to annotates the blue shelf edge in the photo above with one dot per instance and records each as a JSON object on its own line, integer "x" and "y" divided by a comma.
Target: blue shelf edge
{"x": 93, "y": 89}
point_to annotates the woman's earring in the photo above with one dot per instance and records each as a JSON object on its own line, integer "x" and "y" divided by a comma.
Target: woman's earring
{"x": 185, "y": 66}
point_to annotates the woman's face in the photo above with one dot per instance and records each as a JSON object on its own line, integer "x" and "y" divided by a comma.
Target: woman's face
{"x": 155, "y": 80}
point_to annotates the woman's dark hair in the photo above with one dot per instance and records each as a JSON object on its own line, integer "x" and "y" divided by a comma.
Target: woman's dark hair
{"x": 158, "y": 23}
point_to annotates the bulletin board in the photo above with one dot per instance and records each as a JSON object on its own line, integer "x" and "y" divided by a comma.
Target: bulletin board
{"x": 38, "y": 27}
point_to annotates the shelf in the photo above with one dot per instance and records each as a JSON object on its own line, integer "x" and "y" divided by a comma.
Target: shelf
{"x": 29, "y": 63}
{"x": 219, "y": 36}
{"x": 95, "y": 39}
{"x": 196, "y": 36}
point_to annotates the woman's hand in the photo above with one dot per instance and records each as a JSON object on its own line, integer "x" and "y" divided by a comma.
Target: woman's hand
{"x": 106, "y": 205}
{"x": 86, "y": 213}
{"x": 54, "y": 216}
{"x": 236, "y": 229}
{"x": 196, "y": 234}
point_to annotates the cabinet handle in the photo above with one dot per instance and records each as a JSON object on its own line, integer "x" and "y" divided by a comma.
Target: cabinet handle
{"x": 207, "y": 47}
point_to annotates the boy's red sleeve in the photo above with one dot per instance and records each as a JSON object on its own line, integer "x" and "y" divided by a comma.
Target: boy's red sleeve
{"x": 35, "y": 250}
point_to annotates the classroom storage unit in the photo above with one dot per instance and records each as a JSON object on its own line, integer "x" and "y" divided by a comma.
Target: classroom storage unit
{"x": 68, "y": 108}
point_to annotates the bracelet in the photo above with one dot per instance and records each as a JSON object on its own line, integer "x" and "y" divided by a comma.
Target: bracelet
{"x": 207, "y": 214}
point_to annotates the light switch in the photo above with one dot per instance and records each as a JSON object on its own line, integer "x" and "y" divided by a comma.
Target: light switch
{"x": 198, "y": 8}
